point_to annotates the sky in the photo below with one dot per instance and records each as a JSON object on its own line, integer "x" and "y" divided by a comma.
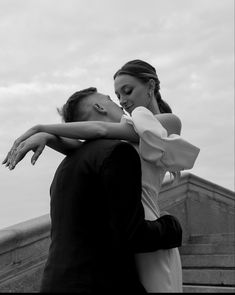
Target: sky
{"x": 51, "y": 48}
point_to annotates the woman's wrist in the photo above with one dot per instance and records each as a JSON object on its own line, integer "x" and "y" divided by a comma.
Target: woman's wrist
{"x": 49, "y": 138}
{"x": 38, "y": 128}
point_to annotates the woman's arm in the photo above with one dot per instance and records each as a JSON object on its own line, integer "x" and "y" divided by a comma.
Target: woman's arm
{"x": 62, "y": 144}
{"x": 170, "y": 122}
{"x": 84, "y": 130}
{"x": 91, "y": 130}
{"x": 100, "y": 129}
{"x": 64, "y": 137}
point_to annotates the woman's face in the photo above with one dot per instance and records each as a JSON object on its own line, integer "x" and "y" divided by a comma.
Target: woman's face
{"x": 131, "y": 92}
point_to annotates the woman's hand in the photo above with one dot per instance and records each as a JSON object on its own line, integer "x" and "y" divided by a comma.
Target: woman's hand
{"x": 18, "y": 141}
{"x": 35, "y": 143}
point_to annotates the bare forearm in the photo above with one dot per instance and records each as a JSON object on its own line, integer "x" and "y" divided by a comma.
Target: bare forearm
{"x": 61, "y": 144}
{"x": 91, "y": 130}
{"x": 74, "y": 130}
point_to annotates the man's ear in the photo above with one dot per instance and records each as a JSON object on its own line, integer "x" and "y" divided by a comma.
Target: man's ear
{"x": 99, "y": 108}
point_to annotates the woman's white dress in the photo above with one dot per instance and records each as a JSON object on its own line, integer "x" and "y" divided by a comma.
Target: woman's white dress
{"x": 159, "y": 271}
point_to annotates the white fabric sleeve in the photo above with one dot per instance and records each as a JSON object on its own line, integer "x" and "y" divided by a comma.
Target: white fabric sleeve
{"x": 155, "y": 146}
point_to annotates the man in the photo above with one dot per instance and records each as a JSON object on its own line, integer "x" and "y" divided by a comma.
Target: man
{"x": 97, "y": 218}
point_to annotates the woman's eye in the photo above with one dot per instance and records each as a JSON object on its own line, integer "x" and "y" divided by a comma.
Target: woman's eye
{"x": 128, "y": 92}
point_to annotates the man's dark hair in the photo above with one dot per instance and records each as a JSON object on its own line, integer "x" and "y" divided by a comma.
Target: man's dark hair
{"x": 70, "y": 111}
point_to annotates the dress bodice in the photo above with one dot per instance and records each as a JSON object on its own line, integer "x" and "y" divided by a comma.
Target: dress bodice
{"x": 159, "y": 153}
{"x": 152, "y": 178}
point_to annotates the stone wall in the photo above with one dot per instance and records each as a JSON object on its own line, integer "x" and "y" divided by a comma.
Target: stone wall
{"x": 201, "y": 206}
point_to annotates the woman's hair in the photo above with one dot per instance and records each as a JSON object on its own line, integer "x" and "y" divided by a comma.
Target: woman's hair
{"x": 71, "y": 110}
{"x": 143, "y": 71}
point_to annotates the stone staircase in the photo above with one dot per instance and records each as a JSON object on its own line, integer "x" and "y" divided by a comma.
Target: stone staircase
{"x": 208, "y": 263}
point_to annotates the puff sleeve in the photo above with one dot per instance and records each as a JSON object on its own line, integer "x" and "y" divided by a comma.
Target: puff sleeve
{"x": 171, "y": 152}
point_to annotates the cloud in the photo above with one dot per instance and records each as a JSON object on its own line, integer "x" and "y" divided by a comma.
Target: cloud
{"x": 50, "y": 49}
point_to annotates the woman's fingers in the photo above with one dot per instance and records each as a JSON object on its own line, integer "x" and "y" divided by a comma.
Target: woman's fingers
{"x": 9, "y": 157}
{"x": 8, "y": 160}
{"x": 10, "y": 154}
{"x": 17, "y": 153}
{"x": 37, "y": 154}
{"x": 18, "y": 157}
{"x": 23, "y": 149}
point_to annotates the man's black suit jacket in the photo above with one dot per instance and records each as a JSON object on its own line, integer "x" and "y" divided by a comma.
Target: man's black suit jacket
{"x": 97, "y": 221}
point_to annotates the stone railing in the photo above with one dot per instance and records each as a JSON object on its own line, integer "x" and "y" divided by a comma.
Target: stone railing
{"x": 23, "y": 251}
{"x": 201, "y": 206}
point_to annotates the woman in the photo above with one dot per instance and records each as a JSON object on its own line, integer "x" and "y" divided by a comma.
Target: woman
{"x": 159, "y": 271}
{"x": 137, "y": 87}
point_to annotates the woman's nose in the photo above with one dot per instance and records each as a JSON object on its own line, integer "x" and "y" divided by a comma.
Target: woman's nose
{"x": 123, "y": 101}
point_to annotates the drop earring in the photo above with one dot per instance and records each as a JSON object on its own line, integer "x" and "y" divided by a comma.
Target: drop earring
{"x": 150, "y": 93}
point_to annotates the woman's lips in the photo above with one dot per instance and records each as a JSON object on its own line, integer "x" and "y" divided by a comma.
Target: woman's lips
{"x": 128, "y": 109}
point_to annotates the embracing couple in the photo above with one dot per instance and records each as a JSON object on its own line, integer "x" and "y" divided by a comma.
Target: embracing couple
{"x": 107, "y": 231}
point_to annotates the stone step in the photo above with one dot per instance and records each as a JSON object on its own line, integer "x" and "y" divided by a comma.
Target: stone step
{"x": 207, "y": 289}
{"x": 222, "y": 260}
{"x": 201, "y": 276}
{"x": 221, "y": 248}
{"x": 212, "y": 238}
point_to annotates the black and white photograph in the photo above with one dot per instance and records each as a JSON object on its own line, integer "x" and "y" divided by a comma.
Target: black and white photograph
{"x": 117, "y": 146}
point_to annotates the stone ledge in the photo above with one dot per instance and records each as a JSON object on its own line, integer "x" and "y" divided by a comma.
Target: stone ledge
{"x": 194, "y": 182}
{"x": 24, "y": 233}
{"x": 210, "y": 186}
{"x": 207, "y": 289}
